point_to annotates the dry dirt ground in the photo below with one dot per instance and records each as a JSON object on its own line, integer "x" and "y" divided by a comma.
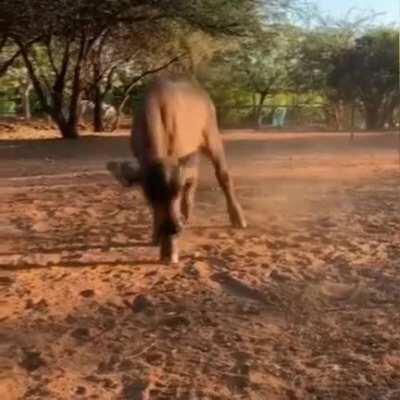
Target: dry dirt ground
{"x": 304, "y": 304}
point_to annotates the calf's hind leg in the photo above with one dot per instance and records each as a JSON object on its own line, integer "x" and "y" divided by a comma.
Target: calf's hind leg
{"x": 189, "y": 191}
{"x": 157, "y": 219}
{"x": 189, "y": 175}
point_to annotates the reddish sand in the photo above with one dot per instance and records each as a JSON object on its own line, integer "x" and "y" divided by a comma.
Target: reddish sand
{"x": 304, "y": 304}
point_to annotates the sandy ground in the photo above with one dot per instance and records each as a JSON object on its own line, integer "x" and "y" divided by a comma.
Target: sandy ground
{"x": 304, "y": 304}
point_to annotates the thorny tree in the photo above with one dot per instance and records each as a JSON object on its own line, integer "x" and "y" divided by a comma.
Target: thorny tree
{"x": 119, "y": 61}
{"x": 64, "y": 35}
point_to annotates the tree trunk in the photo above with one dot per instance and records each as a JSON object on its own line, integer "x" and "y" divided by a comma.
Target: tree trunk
{"x": 340, "y": 116}
{"x": 372, "y": 118}
{"x": 352, "y": 121}
{"x": 70, "y": 133}
{"x": 253, "y": 105}
{"x": 117, "y": 120}
{"x": 330, "y": 117}
{"x": 97, "y": 111}
{"x": 67, "y": 130}
{"x": 72, "y": 130}
{"x": 97, "y": 94}
{"x": 119, "y": 112}
{"x": 388, "y": 110}
{"x": 258, "y": 115}
{"x": 52, "y": 101}
{"x": 26, "y": 104}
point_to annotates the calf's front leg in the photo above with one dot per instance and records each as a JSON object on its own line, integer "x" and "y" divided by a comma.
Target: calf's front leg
{"x": 189, "y": 191}
{"x": 169, "y": 251}
{"x": 157, "y": 218}
{"x": 215, "y": 151}
{"x": 235, "y": 211}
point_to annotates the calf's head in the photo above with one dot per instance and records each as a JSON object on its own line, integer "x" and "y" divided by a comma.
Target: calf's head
{"x": 162, "y": 186}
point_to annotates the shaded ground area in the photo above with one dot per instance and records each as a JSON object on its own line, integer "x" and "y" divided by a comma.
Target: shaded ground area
{"x": 302, "y": 305}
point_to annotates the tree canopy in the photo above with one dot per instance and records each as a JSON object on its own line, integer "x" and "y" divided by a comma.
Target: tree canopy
{"x": 242, "y": 50}
{"x": 58, "y": 39}
{"x": 368, "y": 72}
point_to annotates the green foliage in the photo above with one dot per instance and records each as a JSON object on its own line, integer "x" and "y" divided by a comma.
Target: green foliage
{"x": 72, "y": 45}
{"x": 369, "y": 69}
{"x": 368, "y": 72}
{"x": 243, "y": 51}
{"x": 254, "y": 69}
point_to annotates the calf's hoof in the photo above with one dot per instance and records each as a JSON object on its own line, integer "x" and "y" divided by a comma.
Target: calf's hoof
{"x": 156, "y": 238}
{"x": 185, "y": 220}
{"x": 170, "y": 260}
{"x": 238, "y": 220}
{"x": 169, "y": 253}
{"x": 242, "y": 224}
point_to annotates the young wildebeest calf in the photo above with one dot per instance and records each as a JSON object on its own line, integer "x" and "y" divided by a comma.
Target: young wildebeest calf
{"x": 175, "y": 122}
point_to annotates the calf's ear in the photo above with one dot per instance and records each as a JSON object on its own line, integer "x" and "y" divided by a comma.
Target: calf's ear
{"x": 126, "y": 173}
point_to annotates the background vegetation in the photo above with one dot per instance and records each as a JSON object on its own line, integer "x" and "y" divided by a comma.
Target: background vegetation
{"x": 254, "y": 56}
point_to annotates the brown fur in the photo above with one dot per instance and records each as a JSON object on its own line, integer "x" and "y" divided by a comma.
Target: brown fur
{"x": 176, "y": 121}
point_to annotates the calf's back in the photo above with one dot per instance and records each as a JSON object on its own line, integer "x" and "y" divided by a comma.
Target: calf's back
{"x": 173, "y": 121}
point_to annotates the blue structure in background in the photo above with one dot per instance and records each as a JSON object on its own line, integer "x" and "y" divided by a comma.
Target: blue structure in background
{"x": 278, "y": 118}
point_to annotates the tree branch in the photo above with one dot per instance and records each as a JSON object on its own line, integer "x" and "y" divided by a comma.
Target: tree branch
{"x": 50, "y": 53}
{"x": 3, "y": 42}
{"x": 34, "y": 78}
{"x": 134, "y": 81}
{"x": 7, "y": 64}
{"x": 76, "y": 81}
{"x": 137, "y": 78}
{"x": 40, "y": 70}
{"x": 59, "y": 82}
